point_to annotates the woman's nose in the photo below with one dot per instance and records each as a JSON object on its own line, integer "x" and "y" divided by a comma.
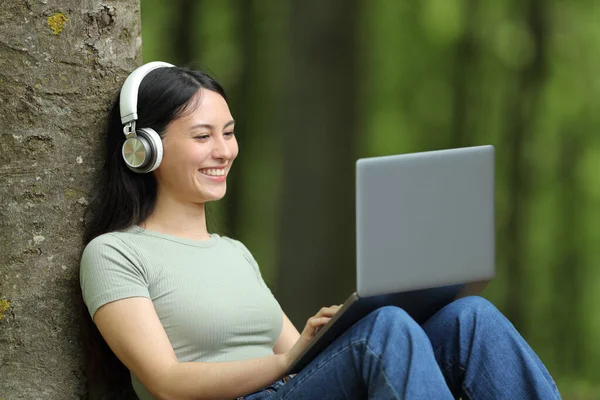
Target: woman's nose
{"x": 221, "y": 150}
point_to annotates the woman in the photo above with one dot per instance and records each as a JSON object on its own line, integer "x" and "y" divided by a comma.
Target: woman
{"x": 188, "y": 313}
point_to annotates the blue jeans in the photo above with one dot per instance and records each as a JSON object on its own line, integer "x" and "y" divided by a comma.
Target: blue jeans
{"x": 468, "y": 349}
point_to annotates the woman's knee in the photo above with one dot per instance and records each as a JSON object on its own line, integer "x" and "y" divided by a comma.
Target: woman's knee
{"x": 390, "y": 330}
{"x": 476, "y": 303}
{"x": 394, "y": 319}
{"x": 391, "y": 313}
{"x": 475, "y": 308}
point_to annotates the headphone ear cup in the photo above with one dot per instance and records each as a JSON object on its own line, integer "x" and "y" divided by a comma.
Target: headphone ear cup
{"x": 143, "y": 153}
{"x": 156, "y": 145}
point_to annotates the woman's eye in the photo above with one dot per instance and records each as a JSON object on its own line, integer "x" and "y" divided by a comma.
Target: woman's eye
{"x": 229, "y": 133}
{"x": 202, "y": 137}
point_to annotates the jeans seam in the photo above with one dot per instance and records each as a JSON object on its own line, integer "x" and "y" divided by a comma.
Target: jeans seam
{"x": 451, "y": 365}
{"x": 466, "y": 391}
{"x": 325, "y": 363}
{"x": 464, "y": 386}
{"x": 383, "y": 371}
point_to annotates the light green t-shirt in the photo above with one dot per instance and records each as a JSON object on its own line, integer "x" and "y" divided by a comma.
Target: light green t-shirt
{"x": 209, "y": 295}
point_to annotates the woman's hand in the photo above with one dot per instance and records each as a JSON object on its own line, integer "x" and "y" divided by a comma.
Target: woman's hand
{"x": 311, "y": 329}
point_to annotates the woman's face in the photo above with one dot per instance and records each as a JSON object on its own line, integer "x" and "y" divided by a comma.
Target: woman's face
{"x": 199, "y": 149}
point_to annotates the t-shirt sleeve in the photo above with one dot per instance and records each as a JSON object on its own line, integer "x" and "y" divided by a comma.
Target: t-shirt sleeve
{"x": 110, "y": 270}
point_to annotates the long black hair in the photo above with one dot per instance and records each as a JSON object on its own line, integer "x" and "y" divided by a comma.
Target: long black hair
{"x": 123, "y": 198}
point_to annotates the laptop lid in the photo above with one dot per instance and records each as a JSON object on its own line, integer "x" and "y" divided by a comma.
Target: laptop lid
{"x": 424, "y": 220}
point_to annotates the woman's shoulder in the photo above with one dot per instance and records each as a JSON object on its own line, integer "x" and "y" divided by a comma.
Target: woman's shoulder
{"x": 115, "y": 238}
{"x": 234, "y": 243}
{"x": 111, "y": 251}
{"x": 114, "y": 241}
{"x": 228, "y": 240}
{"x": 238, "y": 245}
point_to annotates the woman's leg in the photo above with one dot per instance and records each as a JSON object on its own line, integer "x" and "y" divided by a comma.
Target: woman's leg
{"x": 386, "y": 355}
{"x": 482, "y": 356}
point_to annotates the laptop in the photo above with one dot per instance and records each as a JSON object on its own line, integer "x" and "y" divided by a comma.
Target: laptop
{"x": 424, "y": 236}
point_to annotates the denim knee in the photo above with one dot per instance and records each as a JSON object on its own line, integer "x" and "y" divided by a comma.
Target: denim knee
{"x": 392, "y": 313}
{"x": 389, "y": 331}
{"x": 475, "y": 308}
{"x": 393, "y": 318}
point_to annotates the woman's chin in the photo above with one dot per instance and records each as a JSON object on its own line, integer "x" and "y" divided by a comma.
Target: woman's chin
{"x": 211, "y": 191}
{"x": 212, "y": 196}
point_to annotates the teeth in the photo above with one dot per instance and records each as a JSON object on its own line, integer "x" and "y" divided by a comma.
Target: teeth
{"x": 213, "y": 172}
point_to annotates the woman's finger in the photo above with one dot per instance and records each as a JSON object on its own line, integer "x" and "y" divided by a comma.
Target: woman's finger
{"x": 315, "y": 322}
{"x": 327, "y": 311}
{"x": 320, "y": 324}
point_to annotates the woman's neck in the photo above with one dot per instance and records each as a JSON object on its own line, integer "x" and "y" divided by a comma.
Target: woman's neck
{"x": 187, "y": 220}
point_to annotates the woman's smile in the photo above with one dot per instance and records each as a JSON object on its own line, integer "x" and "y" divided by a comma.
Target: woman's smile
{"x": 214, "y": 174}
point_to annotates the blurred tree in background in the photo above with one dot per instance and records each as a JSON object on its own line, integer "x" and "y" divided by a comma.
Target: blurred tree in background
{"x": 314, "y": 85}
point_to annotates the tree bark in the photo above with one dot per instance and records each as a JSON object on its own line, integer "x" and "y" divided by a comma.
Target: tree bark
{"x": 61, "y": 64}
{"x": 318, "y": 263}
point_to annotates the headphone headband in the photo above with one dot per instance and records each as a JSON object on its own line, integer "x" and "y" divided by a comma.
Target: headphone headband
{"x": 129, "y": 91}
{"x": 142, "y": 150}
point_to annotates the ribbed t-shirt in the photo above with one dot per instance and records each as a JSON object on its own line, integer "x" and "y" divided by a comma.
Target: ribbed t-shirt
{"x": 209, "y": 295}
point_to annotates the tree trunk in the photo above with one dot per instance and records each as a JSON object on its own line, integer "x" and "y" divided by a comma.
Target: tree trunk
{"x": 61, "y": 65}
{"x": 238, "y": 94}
{"x": 464, "y": 66}
{"x": 317, "y": 266}
{"x": 520, "y": 113}
{"x": 183, "y": 40}
{"x": 252, "y": 198}
{"x": 569, "y": 274}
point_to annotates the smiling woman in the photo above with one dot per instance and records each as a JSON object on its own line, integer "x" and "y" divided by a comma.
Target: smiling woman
{"x": 159, "y": 287}
{"x": 193, "y": 152}
{"x": 188, "y": 313}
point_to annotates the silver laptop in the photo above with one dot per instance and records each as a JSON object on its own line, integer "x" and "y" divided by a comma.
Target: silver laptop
{"x": 424, "y": 236}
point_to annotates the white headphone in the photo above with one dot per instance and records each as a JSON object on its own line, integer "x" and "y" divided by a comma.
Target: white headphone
{"x": 143, "y": 149}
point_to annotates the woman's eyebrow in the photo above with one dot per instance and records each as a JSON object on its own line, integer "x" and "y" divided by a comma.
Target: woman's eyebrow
{"x": 209, "y": 126}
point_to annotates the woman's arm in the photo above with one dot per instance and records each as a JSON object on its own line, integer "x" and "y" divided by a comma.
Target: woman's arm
{"x": 288, "y": 337}
{"x": 134, "y": 333}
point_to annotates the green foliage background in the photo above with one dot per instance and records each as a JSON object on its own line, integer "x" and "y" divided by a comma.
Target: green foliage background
{"x": 324, "y": 83}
